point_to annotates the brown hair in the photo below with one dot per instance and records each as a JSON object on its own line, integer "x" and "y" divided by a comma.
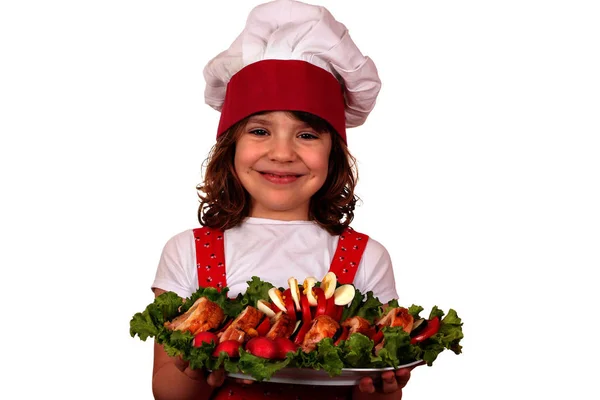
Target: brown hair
{"x": 226, "y": 203}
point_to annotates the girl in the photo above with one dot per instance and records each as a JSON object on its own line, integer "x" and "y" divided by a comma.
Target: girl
{"x": 278, "y": 192}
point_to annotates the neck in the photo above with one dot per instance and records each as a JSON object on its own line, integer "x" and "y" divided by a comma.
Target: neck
{"x": 283, "y": 215}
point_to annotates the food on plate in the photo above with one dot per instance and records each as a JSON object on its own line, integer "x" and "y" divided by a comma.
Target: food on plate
{"x": 230, "y": 347}
{"x": 344, "y": 295}
{"x": 243, "y": 326}
{"x": 202, "y": 316}
{"x": 321, "y": 325}
{"x": 205, "y": 337}
{"x": 283, "y": 326}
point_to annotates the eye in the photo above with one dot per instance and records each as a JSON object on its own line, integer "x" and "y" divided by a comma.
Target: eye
{"x": 308, "y": 135}
{"x": 258, "y": 132}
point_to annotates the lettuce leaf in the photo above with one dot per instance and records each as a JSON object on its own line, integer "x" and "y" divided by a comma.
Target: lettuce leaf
{"x": 369, "y": 307}
{"x": 355, "y": 352}
{"x": 260, "y": 368}
{"x": 149, "y": 323}
{"x": 257, "y": 290}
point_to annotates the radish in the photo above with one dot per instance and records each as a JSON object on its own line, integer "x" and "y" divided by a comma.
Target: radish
{"x": 262, "y": 347}
{"x": 231, "y": 347}
{"x": 284, "y": 346}
{"x": 205, "y": 337}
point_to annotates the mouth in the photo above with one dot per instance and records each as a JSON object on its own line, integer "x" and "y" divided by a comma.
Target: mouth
{"x": 276, "y": 174}
{"x": 280, "y": 177}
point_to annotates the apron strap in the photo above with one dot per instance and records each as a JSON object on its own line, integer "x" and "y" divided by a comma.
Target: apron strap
{"x": 210, "y": 257}
{"x": 350, "y": 248}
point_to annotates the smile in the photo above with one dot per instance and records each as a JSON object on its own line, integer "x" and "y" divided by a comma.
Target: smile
{"x": 279, "y": 178}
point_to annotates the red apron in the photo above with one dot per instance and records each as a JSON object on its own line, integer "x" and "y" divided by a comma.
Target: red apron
{"x": 210, "y": 261}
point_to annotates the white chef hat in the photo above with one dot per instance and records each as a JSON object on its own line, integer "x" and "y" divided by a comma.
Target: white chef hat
{"x": 292, "y": 56}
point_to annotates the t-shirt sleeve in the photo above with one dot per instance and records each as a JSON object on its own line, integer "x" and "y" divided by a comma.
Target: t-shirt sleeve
{"x": 176, "y": 267}
{"x": 376, "y": 273}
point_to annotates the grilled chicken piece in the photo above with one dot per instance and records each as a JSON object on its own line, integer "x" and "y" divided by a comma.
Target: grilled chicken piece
{"x": 202, "y": 316}
{"x": 358, "y": 325}
{"x": 232, "y": 334}
{"x": 243, "y": 326}
{"x": 282, "y": 327}
{"x": 321, "y": 327}
{"x": 398, "y": 316}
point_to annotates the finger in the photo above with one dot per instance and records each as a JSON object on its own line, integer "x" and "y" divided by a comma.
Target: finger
{"x": 365, "y": 385}
{"x": 180, "y": 364}
{"x": 244, "y": 381}
{"x": 216, "y": 378}
{"x": 194, "y": 373}
{"x": 402, "y": 377}
{"x": 390, "y": 384}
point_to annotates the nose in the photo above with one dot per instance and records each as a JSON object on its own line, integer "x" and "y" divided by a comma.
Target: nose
{"x": 282, "y": 150}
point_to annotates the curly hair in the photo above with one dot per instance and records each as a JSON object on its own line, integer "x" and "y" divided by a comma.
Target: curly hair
{"x": 224, "y": 203}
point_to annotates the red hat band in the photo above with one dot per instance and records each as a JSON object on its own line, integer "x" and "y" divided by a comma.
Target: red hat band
{"x": 278, "y": 85}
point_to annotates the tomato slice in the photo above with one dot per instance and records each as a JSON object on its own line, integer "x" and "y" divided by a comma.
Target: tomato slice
{"x": 377, "y": 337}
{"x": 302, "y": 332}
{"x": 340, "y": 311}
{"x": 263, "y": 327}
{"x": 433, "y": 326}
{"x": 321, "y": 301}
{"x": 306, "y": 315}
{"x": 343, "y": 336}
{"x": 331, "y": 309}
{"x": 288, "y": 301}
{"x": 273, "y": 307}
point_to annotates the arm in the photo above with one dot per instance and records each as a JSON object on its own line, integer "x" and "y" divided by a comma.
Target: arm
{"x": 172, "y": 379}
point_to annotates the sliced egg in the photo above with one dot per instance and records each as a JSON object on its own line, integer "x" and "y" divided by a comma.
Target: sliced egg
{"x": 309, "y": 283}
{"x": 296, "y": 327}
{"x": 328, "y": 284}
{"x": 343, "y": 295}
{"x": 262, "y": 306}
{"x": 277, "y": 298}
{"x": 295, "y": 291}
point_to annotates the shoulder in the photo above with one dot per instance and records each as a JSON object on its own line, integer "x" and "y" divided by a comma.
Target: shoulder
{"x": 180, "y": 241}
{"x": 373, "y": 249}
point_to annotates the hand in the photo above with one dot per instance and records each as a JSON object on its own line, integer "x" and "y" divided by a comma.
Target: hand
{"x": 392, "y": 381}
{"x": 214, "y": 379}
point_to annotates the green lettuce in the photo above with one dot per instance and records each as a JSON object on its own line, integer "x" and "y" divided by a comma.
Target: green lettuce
{"x": 259, "y": 368}
{"x": 357, "y": 351}
{"x": 369, "y": 307}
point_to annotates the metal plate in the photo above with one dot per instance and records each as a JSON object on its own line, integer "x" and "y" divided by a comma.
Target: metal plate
{"x": 309, "y": 376}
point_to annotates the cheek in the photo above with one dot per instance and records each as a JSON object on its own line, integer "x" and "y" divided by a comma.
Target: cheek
{"x": 320, "y": 163}
{"x": 243, "y": 159}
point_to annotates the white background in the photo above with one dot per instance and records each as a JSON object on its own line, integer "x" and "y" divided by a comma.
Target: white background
{"x": 479, "y": 171}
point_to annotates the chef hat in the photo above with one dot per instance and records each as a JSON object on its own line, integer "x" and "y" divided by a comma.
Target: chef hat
{"x": 297, "y": 57}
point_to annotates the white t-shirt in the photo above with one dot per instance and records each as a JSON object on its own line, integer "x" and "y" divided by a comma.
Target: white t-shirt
{"x": 274, "y": 251}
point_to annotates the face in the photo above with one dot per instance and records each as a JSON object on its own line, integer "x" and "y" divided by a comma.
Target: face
{"x": 282, "y": 162}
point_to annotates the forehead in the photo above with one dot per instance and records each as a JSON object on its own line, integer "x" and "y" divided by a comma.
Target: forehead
{"x": 273, "y": 117}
